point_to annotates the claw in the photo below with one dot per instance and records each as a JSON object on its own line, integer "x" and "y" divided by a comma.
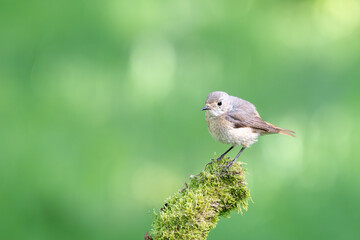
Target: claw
{"x": 212, "y": 161}
{"x": 229, "y": 164}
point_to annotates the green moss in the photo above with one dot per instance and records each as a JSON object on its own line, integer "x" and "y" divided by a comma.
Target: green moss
{"x": 193, "y": 211}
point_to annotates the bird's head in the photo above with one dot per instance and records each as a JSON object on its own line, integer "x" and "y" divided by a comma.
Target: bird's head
{"x": 217, "y": 103}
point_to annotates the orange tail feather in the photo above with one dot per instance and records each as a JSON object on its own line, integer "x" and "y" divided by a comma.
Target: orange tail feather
{"x": 283, "y": 131}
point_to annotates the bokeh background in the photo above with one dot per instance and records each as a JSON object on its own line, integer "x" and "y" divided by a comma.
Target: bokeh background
{"x": 100, "y": 113}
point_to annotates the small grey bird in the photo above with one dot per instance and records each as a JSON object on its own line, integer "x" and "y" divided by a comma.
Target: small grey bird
{"x": 232, "y": 120}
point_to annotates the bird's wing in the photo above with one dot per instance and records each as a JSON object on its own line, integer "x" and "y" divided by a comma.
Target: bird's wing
{"x": 243, "y": 105}
{"x": 241, "y": 118}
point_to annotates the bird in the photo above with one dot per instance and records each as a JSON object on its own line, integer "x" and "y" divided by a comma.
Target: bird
{"x": 235, "y": 121}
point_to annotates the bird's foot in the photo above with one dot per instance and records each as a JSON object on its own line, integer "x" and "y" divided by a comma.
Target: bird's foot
{"x": 219, "y": 158}
{"x": 212, "y": 161}
{"x": 229, "y": 164}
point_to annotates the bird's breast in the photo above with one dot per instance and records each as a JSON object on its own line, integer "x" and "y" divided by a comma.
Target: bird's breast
{"x": 219, "y": 128}
{"x": 223, "y": 131}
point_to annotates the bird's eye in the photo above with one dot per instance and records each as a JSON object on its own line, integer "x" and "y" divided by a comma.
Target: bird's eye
{"x": 219, "y": 103}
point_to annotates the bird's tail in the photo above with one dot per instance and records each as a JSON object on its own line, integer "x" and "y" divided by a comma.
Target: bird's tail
{"x": 287, "y": 132}
{"x": 284, "y": 131}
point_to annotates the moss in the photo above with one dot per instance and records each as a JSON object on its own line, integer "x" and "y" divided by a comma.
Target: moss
{"x": 193, "y": 211}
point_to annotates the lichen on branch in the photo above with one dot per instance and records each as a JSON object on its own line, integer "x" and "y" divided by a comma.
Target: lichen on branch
{"x": 193, "y": 211}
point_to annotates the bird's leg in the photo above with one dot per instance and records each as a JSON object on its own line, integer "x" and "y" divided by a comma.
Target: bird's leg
{"x": 221, "y": 157}
{"x": 237, "y": 156}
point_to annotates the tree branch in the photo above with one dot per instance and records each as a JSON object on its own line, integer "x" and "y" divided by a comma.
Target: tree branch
{"x": 193, "y": 211}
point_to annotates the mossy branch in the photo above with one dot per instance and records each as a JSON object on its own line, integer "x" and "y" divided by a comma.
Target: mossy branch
{"x": 193, "y": 211}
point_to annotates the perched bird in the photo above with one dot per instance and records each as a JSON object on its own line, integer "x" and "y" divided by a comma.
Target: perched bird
{"x": 232, "y": 120}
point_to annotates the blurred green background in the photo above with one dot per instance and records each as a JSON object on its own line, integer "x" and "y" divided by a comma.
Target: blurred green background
{"x": 100, "y": 113}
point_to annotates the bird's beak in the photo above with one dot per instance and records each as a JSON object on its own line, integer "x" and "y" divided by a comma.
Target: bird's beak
{"x": 205, "y": 108}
